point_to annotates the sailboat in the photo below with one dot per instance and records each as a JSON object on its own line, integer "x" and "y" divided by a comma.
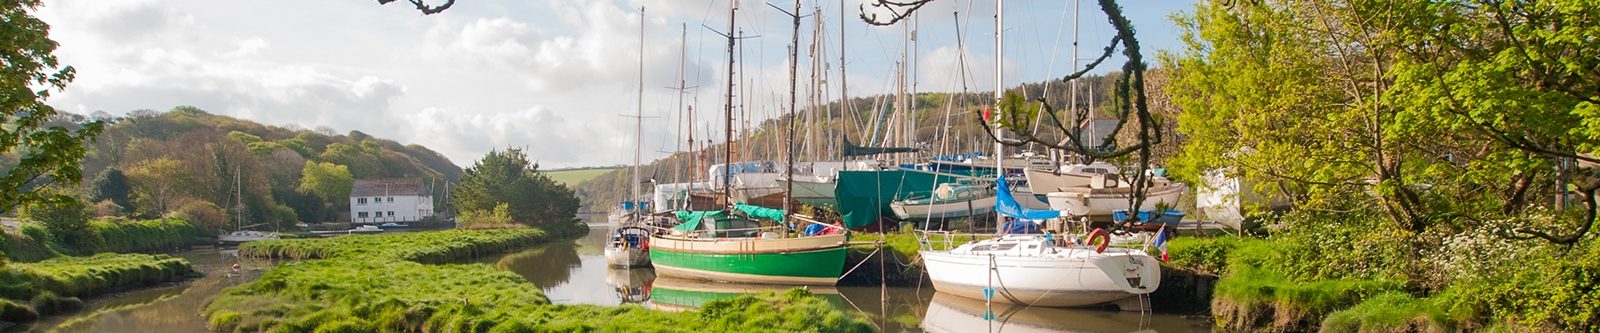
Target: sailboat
{"x": 627, "y": 246}
{"x": 1039, "y": 270}
{"x": 745, "y": 243}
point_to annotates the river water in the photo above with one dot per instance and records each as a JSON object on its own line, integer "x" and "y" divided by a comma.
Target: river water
{"x": 575, "y": 272}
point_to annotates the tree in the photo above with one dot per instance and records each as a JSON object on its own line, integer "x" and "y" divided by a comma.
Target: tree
{"x": 48, "y": 154}
{"x": 507, "y": 177}
{"x": 328, "y": 181}
{"x": 112, "y": 185}
{"x": 158, "y": 185}
{"x": 1431, "y": 114}
{"x": 424, "y": 7}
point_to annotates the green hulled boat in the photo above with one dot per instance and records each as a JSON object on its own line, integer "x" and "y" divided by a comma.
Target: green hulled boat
{"x": 721, "y": 246}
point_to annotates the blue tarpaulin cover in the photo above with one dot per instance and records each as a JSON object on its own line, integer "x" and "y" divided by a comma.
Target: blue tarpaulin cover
{"x": 1008, "y": 206}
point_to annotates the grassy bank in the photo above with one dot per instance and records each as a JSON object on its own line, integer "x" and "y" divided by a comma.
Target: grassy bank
{"x": 1346, "y": 279}
{"x": 398, "y": 282}
{"x": 41, "y": 276}
{"x": 30, "y": 290}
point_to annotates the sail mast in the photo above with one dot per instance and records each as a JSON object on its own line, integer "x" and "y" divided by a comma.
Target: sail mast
{"x": 638, "y": 117}
{"x": 727, "y": 146}
{"x": 794, "y": 61}
{"x": 999, "y": 90}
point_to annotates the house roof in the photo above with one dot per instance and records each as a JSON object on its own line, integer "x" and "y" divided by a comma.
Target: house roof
{"x": 388, "y": 187}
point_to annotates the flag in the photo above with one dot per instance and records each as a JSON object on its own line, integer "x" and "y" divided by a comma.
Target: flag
{"x": 1161, "y": 242}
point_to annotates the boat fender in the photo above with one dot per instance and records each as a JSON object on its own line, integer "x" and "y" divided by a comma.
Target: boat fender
{"x": 1105, "y": 239}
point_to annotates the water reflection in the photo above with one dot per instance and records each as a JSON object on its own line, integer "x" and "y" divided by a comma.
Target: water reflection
{"x": 171, "y": 308}
{"x": 631, "y": 284}
{"x": 674, "y": 294}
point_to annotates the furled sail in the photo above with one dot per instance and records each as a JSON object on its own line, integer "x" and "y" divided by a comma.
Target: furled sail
{"x": 850, "y": 149}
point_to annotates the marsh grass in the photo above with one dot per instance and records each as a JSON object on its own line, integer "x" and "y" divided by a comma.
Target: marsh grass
{"x": 93, "y": 275}
{"x": 400, "y": 283}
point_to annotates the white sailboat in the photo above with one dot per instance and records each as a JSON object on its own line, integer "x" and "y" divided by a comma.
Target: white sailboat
{"x": 629, "y": 244}
{"x": 1040, "y": 270}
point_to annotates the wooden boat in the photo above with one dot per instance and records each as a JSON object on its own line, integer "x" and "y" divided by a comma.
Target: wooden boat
{"x": 722, "y": 246}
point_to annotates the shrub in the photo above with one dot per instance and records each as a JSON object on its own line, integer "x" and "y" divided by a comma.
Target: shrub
{"x": 107, "y": 208}
{"x": 500, "y": 217}
{"x": 64, "y": 215}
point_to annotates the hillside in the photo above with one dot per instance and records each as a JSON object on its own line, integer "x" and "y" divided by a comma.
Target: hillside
{"x": 183, "y": 159}
{"x": 937, "y": 135}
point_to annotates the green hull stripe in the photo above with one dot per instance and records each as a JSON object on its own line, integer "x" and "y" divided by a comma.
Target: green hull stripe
{"x": 824, "y": 263}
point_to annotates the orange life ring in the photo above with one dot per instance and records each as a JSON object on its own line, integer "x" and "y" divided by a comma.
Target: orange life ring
{"x": 1098, "y": 233}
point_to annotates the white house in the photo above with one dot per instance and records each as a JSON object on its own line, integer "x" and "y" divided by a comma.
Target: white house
{"x": 390, "y": 200}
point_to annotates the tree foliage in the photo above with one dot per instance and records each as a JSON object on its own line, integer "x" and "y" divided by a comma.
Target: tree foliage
{"x": 1435, "y": 114}
{"x": 507, "y": 177}
{"x": 328, "y": 181}
{"x": 45, "y": 153}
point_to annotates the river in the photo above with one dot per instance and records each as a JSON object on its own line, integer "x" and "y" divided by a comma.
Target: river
{"x": 575, "y": 272}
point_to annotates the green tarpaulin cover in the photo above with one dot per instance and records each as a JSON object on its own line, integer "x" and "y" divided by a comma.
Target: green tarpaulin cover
{"x": 760, "y": 212}
{"x": 691, "y": 219}
{"x": 864, "y": 196}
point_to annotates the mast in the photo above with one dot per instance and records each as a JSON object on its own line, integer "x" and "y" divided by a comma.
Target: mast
{"x": 844, "y": 88}
{"x": 638, "y": 118}
{"x": 999, "y": 91}
{"x": 794, "y": 60}
{"x": 683, "y": 55}
{"x": 727, "y": 147}
{"x": 1076, "y": 8}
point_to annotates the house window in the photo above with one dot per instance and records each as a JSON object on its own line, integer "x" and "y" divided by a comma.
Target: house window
{"x": 361, "y": 201}
{"x": 391, "y": 199}
{"x": 391, "y": 213}
{"x": 361, "y": 215}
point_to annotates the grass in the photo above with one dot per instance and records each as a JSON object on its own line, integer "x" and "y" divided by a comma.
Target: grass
{"x": 98, "y": 274}
{"x": 571, "y": 178}
{"x": 397, "y": 282}
{"x": 118, "y": 235}
{"x": 1391, "y": 312}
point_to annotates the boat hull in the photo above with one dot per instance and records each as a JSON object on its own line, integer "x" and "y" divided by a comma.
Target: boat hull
{"x": 1101, "y": 204}
{"x": 627, "y": 257}
{"x": 818, "y": 194}
{"x": 945, "y": 210}
{"x": 1082, "y": 280}
{"x": 817, "y": 260}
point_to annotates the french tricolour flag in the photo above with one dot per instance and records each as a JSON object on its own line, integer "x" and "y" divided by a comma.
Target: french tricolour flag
{"x": 1161, "y": 242}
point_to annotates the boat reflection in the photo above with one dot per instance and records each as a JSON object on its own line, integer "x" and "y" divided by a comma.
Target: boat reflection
{"x": 631, "y": 284}
{"x": 950, "y": 313}
{"x": 674, "y": 294}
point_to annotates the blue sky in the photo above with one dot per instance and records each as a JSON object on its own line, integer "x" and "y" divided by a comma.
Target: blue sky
{"x": 552, "y": 76}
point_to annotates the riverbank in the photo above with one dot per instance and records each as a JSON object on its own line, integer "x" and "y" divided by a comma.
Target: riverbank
{"x": 41, "y": 277}
{"x": 404, "y": 282}
{"x": 31, "y": 290}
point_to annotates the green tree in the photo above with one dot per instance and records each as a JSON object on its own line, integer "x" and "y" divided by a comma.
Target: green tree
{"x": 159, "y": 184}
{"x": 328, "y": 181}
{"x": 63, "y": 214}
{"x": 112, "y": 185}
{"x": 46, "y": 153}
{"x": 507, "y": 177}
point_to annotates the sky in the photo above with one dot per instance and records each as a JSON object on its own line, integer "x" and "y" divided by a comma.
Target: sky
{"x": 557, "y": 78}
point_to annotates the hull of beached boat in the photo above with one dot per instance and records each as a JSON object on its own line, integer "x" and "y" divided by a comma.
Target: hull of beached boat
{"x": 1083, "y": 278}
{"x": 812, "y": 192}
{"x": 1101, "y": 203}
{"x": 815, "y": 260}
{"x": 943, "y": 210}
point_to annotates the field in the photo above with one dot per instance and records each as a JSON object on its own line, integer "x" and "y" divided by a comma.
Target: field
{"x": 571, "y": 178}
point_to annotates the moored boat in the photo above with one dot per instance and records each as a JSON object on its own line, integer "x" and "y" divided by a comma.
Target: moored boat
{"x": 948, "y": 201}
{"x": 1035, "y": 270}
{"x": 1101, "y": 202}
{"x": 245, "y": 236}
{"x": 724, "y": 246}
{"x": 628, "y": 247}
